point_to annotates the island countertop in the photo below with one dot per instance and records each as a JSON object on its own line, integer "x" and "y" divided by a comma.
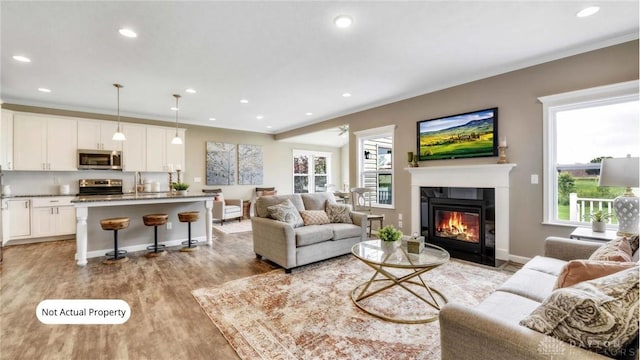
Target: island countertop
{"x": 138, "y": 198}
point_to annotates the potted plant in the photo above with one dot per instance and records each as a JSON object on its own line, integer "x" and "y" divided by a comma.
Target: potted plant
{"x": 390, "y": 237}
{"x": 180, "y": 188}
{"x": 599, "y": 220}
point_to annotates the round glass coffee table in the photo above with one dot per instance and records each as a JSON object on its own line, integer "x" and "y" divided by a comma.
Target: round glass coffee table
{"x": 377, "y": 255}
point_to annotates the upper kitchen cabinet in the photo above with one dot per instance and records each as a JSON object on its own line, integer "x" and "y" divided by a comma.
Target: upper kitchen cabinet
{"x": 6, "y": 140}
{"x": 134, "y": 148}
{"x": 162, "y": 155}
{"x": 44, "y": 142}
{"x": 97, "y": 134}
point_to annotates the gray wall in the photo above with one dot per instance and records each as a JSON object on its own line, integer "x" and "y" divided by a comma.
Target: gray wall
{"x": 520, "y": 119}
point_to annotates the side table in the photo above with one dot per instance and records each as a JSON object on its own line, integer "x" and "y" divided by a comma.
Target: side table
{"x": 584, "y": 233}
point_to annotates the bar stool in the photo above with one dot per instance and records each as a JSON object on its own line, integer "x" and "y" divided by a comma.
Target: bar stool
{"x": 155, "y": 220}
{"x": 189, "y": 217}
{"x": 115, "y": 224}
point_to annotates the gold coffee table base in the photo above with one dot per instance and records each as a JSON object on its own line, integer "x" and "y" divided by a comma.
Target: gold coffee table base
{"x": 433, "y": 298}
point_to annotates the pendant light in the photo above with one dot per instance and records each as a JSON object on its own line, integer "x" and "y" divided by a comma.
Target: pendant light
{"x": 176, "y": 140}
{"x": 118, "y": 135}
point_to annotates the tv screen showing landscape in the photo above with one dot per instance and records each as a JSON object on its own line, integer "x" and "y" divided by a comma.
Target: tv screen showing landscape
{"x": 472, "y": 134}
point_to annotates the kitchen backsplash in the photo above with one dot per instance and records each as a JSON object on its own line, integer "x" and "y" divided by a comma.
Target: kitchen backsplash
{"x": 48, "y": 183}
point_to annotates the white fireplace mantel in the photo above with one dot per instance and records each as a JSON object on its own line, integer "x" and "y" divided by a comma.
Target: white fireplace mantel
{"x": 494, "y": 176}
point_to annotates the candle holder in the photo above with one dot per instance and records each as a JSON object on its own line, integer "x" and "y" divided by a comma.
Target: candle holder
{"x": 415, "y": 160}
{"x": 502, "y": 155}
{"x": 178, "y": 173}
{"x": 170, "y": 181}
{"x": 410, "y": 158}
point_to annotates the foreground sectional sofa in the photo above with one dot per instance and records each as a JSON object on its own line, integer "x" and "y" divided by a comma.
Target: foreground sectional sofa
{"x": 291, "y": 243}
{"x": 492, "y": 330}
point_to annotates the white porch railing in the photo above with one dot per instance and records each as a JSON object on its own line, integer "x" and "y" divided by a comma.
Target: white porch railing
{"x": 578, "y": 207}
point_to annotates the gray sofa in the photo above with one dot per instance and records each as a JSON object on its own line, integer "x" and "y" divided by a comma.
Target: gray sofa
{"x": 291, "y": 247}
{"x": 491, "y": 330}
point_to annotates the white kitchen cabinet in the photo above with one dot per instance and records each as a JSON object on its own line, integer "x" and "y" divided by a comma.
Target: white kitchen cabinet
{"x": 6, "y": 140}
{"x": 134, "y": 148}
{"x": 44, "y": 143}
{"x": 162, "y": 155}
{"x": 52, "y": 216}
{"x": 97, "y": 134}
{"x": 19, "y": 218}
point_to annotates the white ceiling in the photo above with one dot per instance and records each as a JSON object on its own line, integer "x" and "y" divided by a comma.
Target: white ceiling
{"x": 286, "y": 58}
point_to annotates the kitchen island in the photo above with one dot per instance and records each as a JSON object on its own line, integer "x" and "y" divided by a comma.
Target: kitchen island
{"x": 92, "y": 241}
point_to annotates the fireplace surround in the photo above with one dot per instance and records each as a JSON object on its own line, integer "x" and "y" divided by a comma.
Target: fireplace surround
{"x": 494, "y": 176}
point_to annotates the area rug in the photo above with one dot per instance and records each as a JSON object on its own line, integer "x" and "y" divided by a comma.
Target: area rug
{"x": 233, "y": 226}
{"x": 308, "y": 314}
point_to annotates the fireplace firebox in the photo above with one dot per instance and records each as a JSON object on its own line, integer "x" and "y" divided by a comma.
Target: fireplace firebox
{"x": 461, "y": 220}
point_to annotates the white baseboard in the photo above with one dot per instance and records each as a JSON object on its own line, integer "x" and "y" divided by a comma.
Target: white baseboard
{"x": 143, "y": 247}
{"x": 519, "y": 259}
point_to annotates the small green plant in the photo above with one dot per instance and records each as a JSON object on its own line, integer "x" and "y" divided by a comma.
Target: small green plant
{"x": 599, "y": 216}
{"x": 389, "y": 233}
{"x": 179, "y": 186}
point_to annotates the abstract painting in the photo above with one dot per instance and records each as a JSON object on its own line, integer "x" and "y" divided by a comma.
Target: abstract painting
{"x": 250, "y": 164}
{"x": 221, "y": 163}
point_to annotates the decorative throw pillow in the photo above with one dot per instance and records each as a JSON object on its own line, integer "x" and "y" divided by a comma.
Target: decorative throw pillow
{"x": 615, "y": 250}
{"x": 600, "y": 315}
{"x": 576, "y": 271}
{"x": 269, "y": 192}
{"x": 634, "y": 241}
{"x": 218, "y": 197}
{"x": 314, "y": 217}
{"x": 338, "y": 213}
{"x": 286, "y": 212}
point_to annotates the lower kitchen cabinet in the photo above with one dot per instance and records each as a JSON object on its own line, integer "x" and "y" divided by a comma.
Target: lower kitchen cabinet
{"x": 19, "y": 218}
{"x": 52, "y": 216}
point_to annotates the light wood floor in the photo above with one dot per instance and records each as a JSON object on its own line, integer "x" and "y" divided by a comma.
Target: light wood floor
{"x": 166, "y": 321}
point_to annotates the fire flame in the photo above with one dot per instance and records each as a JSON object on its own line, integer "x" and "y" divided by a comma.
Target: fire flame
{"x": 455, "y": 223}
{"x": 452, "y": 225}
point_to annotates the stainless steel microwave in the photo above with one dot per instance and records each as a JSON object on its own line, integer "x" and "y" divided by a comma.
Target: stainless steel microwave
{"x": 99, "y": 159}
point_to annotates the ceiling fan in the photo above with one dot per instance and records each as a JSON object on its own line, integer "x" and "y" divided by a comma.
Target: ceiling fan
{"x": 343, "y": 130}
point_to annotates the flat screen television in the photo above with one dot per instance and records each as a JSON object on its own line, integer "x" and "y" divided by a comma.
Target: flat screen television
{"x": 468, "y": 135}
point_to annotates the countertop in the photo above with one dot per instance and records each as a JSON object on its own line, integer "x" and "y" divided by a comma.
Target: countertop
{"x": 138, "y": 197}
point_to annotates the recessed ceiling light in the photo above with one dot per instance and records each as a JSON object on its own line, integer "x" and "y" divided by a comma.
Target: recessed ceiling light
{"x": 128, "y": 33}
{"x": 244, "y": 101}
{"x": 190, "y": 91}
{"x": 269, "y": 126}
{"x": 21, "y": 58}
{"x": 212, "y": 119}
{"x": 346, "y": 95}
{"x": 588, "y": 11}
{"x": 309, "y": 114}
{"x": 174, "y": 108}
{"x": 259, "y": 117}
{"x": 343, "y": 21}
{"x": 44, "y": 90}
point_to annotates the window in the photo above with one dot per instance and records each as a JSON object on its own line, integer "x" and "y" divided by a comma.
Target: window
{"x": 581, "y": 128}
{"x": 375, "y": 164}
{"x": 310, "y": 171}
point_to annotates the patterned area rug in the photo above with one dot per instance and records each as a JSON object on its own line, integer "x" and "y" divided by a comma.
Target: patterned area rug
{"x": 309, "y": 314}
{"x": 233, "y": 226}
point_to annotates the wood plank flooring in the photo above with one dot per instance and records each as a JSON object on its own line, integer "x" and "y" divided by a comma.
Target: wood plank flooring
{"x": 166, "y": 322}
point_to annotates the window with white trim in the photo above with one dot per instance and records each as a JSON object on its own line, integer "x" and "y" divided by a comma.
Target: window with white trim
{"x": 581, "y": 128}
{"x": 311, "y": 171}
{"x": 375, "y": 163}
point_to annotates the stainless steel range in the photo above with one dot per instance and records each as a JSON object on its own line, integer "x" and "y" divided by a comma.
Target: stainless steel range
{"x": 100, "y": 187}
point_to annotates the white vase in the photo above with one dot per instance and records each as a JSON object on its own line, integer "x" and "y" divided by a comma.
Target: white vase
{"x": 389, "y": 246}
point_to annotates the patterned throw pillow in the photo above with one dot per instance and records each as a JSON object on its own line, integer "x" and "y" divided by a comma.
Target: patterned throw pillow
{"x": 615, "y": 250}
{"x": 338, "y": 213}
{"x": 600, "y": 315}
{"x": 576, "y": 271}
{"x": 314, "y": 217}
{"x": 269, "y": 192}
{"x": 634, "y": 241}
{"x": 286, "y": 212}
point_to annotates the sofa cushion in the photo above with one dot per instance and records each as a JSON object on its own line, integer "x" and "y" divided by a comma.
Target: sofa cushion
{"x": 600, "y": 315}
{"x": 582, "y": 270}
{"x": 314, "y": 217}
{"x": 344, "y": 231}
{"x": 506, "y": 306}
{"x": 532, "y": 284}
{"x": 286, "y": 212}
{"x": 312, "y": 234}
{"x": 615, "y": 250}
{"x": 263, "y": 202}
{"x": 232, "y": 209}
{"x": 634, "y": 241}
{"x": 339, "y": 213}
{"x": 317, "y": 200}
{"x": 545, "y": 264}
